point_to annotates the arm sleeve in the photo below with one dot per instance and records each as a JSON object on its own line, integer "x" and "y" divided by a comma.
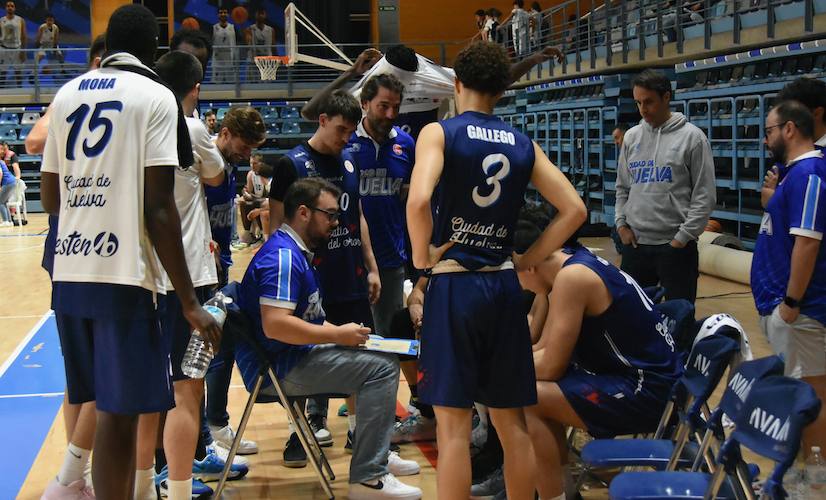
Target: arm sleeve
{"x": 703, "y": 191}
{"x": 212, "y": 163}
{"x": 283, "y": 178}
{"x": 279, "y": 279}
{"x": 162, "y": 133}
{"x": 622, "y": 187}
{"x": 807, "y": 206}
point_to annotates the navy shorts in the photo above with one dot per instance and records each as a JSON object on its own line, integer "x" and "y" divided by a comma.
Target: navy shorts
{"x": 475, "y": 342}
{"x": 121, "y": 364}
{"x": 351, "y": 311}
{"x": 617, "y": 403}
{"x": 176, "y": 329}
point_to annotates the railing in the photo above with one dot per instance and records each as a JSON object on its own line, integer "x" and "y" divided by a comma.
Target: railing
{"x": 590, "y": 30}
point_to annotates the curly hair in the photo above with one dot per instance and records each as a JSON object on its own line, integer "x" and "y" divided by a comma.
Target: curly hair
{"x": 484, "y": 67}
{"x": 246, "y": 122}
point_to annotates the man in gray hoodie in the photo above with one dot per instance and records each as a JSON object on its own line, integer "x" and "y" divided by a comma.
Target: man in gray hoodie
{"x": 665, "y": 192}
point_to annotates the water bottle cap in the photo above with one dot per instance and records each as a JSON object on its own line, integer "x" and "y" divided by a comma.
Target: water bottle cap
{"x": 815, "y": 449}
{"x": 228, "y": 300}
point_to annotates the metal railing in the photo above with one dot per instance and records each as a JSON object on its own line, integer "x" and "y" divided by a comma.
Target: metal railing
{"x": 590, "y": 30}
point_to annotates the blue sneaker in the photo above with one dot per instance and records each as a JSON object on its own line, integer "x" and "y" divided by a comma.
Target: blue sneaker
{"x": 200, "y": 491}
{"x": 211, "y": 467}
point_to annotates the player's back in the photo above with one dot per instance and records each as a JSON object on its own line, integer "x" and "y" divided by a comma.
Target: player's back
{"x": 108, "y": 126}
{"x": 487, "y": 167}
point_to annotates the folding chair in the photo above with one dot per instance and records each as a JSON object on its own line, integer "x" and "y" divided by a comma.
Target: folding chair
{"x": 769, "y": 422}
{"x": 17, "y": 202}
{"x": 240, "y": 325}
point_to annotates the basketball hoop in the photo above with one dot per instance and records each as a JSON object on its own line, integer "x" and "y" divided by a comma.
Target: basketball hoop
{"x": 268, "y": 65}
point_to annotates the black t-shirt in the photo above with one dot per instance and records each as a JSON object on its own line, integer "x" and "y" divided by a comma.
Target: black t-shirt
{"x": 282, "y": 178}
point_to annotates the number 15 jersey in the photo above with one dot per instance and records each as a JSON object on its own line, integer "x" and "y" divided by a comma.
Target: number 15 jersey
{"x": 107, "y": 126}
{"x": 487, "y": 167}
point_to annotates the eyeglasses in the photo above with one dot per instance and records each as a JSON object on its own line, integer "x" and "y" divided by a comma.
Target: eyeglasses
{"x": 332, "y": 215}
{"x": 766, "y": 130}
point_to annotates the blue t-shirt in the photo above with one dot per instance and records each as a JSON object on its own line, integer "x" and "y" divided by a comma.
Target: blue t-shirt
{"x": 7, "y": 177}
{"x": 631, "y": 334}
{"x": 280, "y": 275}
{"x": 341, "y": 264}
{"x": 221, "y": 204}
{"x": 797, "y": 208}
{"x": 487, "y": 167}
{"x": 383, "y": 170}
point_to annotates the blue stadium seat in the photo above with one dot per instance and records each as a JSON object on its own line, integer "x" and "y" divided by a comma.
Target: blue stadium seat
{"x": 272, "y": 129}
{"x": 29, "y": 118}
{"x": 290, "y": 112}
{"x": 291, "y": 128}
{"x": 8, "y": 133}
{"x": 269, "y": 113}
{"x": 219, "y": 115}
{"x": 9, "y": 119}
{"x": 24, "y": 132}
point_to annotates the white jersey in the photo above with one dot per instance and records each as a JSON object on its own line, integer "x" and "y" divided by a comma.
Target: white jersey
{"x": 47, "y": 36}
{"x": 11, "y": 30}
{"x": 108, "y": 126}
{"x": 192, "y": 208}
{"x": 223, "y": 40}
{"x": 262, "y": 40}
{"x": 258, "y": 184}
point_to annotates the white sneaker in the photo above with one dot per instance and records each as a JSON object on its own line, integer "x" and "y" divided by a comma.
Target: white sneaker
{"x": 223, "y": 453}
{"x": 387, "y": 486}
{"x": 401, "y": 467}
{"x": 6, "y": 223}
{"x": 224, "y": 436}
{"x": 75, "y": 491}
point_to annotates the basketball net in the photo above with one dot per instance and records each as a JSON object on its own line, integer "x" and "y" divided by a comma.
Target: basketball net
{"x": 268, "y": 65}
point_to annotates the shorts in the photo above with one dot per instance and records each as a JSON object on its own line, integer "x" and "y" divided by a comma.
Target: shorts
{"x": 475, "y": 342}
{"x": 121, "y": 364}
{"x": 352, "y": 311}
{"x": 802, "y": 344}
{"x": 176, "y": 329}
{"x": 617, "y": 403}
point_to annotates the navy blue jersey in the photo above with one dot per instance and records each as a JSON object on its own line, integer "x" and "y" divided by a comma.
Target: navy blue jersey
{"x": 384, "y": 169}
{"x": 341, "y": 264}
{"x": 631, "y": 334}
{"x": 414, "y": 122}
{"x": 487, "y": 167}
{"x": 221, "y": 204}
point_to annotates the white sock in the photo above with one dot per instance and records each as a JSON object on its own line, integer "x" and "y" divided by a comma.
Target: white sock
{"x": 144, "y": 483}
{"x": 482, "y": 410}
{"x": 179, "y": 490}
{"x": 74, "y": 464}
{"x": 351, "y": 421}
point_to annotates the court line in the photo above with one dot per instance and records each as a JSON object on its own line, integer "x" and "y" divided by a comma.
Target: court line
{"x": 36, "y": 395}
{"x": 23, "y": 316}
{"x": 17, "y": 350}
{"x": 22, "y": 235}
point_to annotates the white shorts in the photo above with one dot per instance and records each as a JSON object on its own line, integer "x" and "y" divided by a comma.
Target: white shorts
{"x": 802, "y": 344}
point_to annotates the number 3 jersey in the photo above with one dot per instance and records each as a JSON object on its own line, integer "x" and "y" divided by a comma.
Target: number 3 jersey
{"x": 487, "y": 167}
{"x": 107, "y": 127}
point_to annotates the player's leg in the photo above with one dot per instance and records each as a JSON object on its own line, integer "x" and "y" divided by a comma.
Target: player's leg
{"x": 520, "y": 465}
{"x": 145, "y": 456}
{"x": 453, "y": 440}
{"x": 678, "y": 270}
{"x": 113, "y": 469}
{"x": 70, "y": 415}
{"x": 181, "y": 430}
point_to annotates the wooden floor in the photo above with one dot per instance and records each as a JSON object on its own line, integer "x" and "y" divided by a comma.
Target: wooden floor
{"x": 25, "y": 300}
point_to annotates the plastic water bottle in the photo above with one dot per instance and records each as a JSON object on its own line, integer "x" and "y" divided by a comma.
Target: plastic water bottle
{"x": 794, "y": 482}
{"x": 199, "y": 352}
{"x": 815, "y": 475}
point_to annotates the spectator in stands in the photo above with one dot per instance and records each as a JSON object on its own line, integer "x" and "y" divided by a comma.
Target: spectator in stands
{"x": 47, "y": 40}
{"x": 481, "y": 19}
{"x": 254, "y": 193}
{"x": 492, "y": 25}
{"x": 788, "y": 273}
{"x": 8, "y": 155}
{"x": 261, "y": 37}
{"x": 569, "y": 36}
{"x": 12, "y": 39}
{"x": 520, "y": 32}
{"x": 537, "y": 27}
{"x": 665, "y": 192}
{"x": 281, "y": 294}
{"x": 223, "y": 41}
{"x": 211, "y": 122}
{"x": 7, "y": 184}
{"x": 605, "y": 360}
{"x": 618, "y": 134}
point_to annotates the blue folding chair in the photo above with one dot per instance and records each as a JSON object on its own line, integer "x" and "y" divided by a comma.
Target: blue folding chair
{"x": 769, "y": 420}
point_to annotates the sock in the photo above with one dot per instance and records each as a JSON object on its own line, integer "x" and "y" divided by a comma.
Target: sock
{"x": 74, "y": 464}
{"x": 180, "y": 490}
{"x": 482, "y": 410}
{"x": 144, "y": 484}
{"x": 351, "y": 420}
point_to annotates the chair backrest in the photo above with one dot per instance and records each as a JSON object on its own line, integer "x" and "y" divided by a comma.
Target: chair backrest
{"x": 9, "y": 119}
{"x": 30, "y": 118}
{"x": 291, "y": 128}
{"x": 8, "y": 132}
{"x": 19, "y": 195}
{"x": 290, "y": 112}
{"x": 24, "y": 131}
{"x": 706, "y": 365}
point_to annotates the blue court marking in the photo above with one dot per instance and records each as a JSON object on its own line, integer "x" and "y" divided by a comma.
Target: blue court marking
{"x": 32, "y": 382}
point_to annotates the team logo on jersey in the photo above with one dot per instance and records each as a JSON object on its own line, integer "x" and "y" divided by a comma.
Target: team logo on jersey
{"x": 766, "y": 224}
{"x": 356, "y": 147}
{"x": 309, "y": 165}
{"x": 106, "y": 244}
{"x": 348, "y": 166}
{"x": 397, "y": 148}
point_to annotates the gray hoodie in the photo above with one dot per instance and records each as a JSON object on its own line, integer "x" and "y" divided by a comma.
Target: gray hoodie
{"x": 665, "y": 182}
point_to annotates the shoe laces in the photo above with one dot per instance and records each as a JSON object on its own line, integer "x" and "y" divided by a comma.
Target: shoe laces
{"x": 409, "y": 424}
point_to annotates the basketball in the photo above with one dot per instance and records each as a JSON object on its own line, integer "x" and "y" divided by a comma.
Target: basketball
{"x": 190, "y": 23}
{"x": 714, "y": 226}
{"x": 240, "y": 15}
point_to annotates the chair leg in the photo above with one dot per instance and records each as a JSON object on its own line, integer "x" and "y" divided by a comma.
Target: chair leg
{"x": 294, "y": 420}
{"x": 238, "y": 435}
{"x": 308, "y": 431}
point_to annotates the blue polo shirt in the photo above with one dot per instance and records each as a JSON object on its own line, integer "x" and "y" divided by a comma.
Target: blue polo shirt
{"x": 280, "y": 275}
{"x": 221, "y": 204}
{"x": 798, "y": 208}
{"x": 384, "y": 169}
{"x": 7, "y": 177}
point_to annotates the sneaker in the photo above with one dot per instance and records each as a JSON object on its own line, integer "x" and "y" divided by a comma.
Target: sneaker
{"x": 491, "y": 486}
{"x": 414, "y": 428}
{"x": 503, "y": 495}
{"x": 8, "y": 223}
{"x": 211, "y": 468}
{"x": 401, "y": 467}
{"x": 319, "y": 425}
{"x": 223, "y": 453}
{"x": 199, "y": 490}
{"x": 387, "y": 486}
{"x": 348, "y": 446}
{"x": 77, "y": 490}
{"x": 294, "y": 454}
{"x": 485, "y": 463}
{"x": 224, "y": 436}
{"x": 342, "y": 410}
